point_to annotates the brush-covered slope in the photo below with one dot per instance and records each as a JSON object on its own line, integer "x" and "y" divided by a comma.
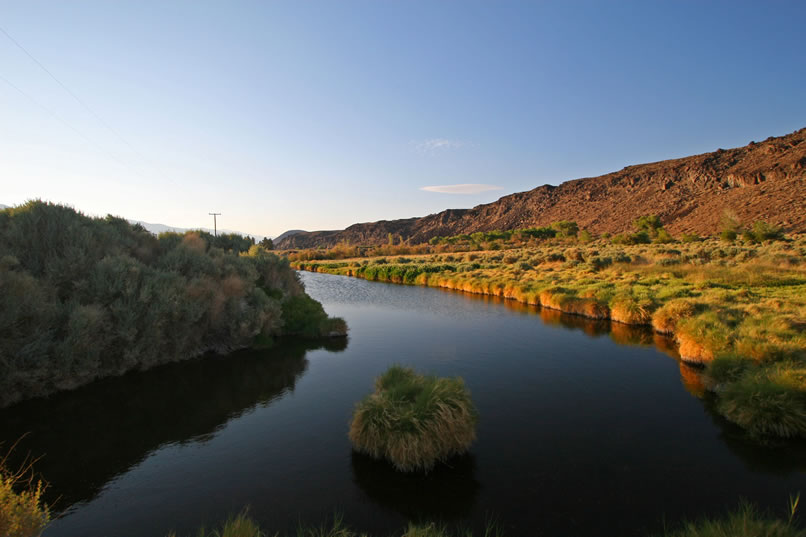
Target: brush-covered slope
{"x": 760, "y": 181}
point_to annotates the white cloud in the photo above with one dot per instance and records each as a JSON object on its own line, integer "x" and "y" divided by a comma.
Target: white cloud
{"x": 466, "y": 188}
{"x": 434, "y": 145}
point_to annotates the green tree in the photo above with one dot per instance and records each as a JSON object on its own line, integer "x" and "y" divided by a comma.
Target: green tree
{"x": 650, "y": 223}
{"x": 566, "y": 228}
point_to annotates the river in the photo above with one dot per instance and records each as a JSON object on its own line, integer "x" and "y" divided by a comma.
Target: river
{"x": 584, "y": 430}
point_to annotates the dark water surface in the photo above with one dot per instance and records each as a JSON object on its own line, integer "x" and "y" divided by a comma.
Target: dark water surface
{"x": 579, "y": 434}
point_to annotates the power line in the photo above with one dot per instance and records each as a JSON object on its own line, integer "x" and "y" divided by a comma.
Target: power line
{"x": 76, "y": 97}
{"x": 71, "y": 127}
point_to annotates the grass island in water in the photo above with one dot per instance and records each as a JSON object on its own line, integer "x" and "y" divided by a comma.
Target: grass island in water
{"x": 414, "y": 421}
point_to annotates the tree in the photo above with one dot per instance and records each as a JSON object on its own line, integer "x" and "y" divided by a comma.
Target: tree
{"x": 650, "y": 223}
{"x": 267, "y": 243}
{"x": 566, "y": 228}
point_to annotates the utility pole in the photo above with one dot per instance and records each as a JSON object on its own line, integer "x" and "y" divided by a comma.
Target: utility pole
{"x": 215, "y": 225}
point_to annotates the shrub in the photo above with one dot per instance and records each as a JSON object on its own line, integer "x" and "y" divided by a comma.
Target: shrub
{"x": 83, "y": 298}
{"x": 414, "y": 421}
{"x": 690, "y": 237}
{"x": 22, "y": 510}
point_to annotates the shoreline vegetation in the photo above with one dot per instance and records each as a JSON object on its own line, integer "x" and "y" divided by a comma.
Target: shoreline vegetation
{"x": 734, "y": 304}
{"x": 414, "y": 421}
{"x": 745, "y": 521}
{"x": 85, "y": 298}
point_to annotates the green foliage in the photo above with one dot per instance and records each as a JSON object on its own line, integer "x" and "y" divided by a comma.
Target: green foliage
{"x": 649, "y": 223}
{"x": 566, "y": 228}
{"x": 728, "y": 235}
{"x": 690, "y": 237}
{"x": 304, "y": 316}
{"x": 663, "y": 237}
{"x": 83, "y": 298}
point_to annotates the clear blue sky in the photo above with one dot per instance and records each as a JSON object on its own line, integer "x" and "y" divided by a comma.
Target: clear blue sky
{"x": 316, "y": 115}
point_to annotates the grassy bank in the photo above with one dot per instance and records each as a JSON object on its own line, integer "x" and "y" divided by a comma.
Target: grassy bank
{"x": 414, "y": 421}
{"x": 84, "y": 298}
{"x": 738, "y": 308}
{"x": 747, "y": 521}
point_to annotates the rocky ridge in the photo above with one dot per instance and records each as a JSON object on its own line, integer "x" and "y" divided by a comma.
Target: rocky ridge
{"x": 760, "y": 181}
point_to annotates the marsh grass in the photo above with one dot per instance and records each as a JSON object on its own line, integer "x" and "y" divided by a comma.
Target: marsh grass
{"x": 746, "y": 521}
{"x": 243, "y": 525}
{"x": 23, "y": 512}
{"x": 744, "y": 301}
{"x": 414, "y": 421}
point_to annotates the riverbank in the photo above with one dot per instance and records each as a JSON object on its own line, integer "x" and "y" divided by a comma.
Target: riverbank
{"x": 736, "y": 309}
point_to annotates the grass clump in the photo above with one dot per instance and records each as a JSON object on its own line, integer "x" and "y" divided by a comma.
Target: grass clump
{"x": 23, "y": 512}
{"x": 244, "y": 526}
{"x": 768, "y": 401}
{"x": 413, "y": 420}
{"x": 747, "y": 521}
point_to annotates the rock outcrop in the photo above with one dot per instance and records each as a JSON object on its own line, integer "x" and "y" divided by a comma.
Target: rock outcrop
{"x": 760, "y": 181}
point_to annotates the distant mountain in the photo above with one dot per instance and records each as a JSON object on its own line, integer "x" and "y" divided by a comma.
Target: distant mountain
{"x": 156, "y": 229}
{"x": 760, "y": 181}
{"x": 162, "y": 228}
{"x": 288, "y": 233}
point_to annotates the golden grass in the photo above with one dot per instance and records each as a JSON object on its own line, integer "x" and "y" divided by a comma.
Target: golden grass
{"x": 414, "y": 421}
{"x": 716, "y": 300}
{"x": 23, "y": 512}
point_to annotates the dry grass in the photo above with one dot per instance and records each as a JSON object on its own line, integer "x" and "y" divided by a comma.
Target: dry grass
{"x": 414, "y": 421}
{"x": 740, "y": 300}
{"x": 23, "y": 513}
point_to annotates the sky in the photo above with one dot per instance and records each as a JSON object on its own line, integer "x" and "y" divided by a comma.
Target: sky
{"x": 316, "y": 115}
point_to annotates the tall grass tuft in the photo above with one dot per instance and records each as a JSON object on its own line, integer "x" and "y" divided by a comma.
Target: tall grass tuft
{"x": 767, "y": 401}
{"x": 23, "y": 513}
{"x": 747, "y": 521}
{"x": 414, "y": 421}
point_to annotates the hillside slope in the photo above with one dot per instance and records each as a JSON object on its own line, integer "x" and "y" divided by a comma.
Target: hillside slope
{"x": 760, "y": 181}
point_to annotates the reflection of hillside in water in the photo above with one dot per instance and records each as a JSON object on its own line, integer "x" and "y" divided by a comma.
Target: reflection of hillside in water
{"x": 88, "y": 436}
{"x": 446, "y": 493}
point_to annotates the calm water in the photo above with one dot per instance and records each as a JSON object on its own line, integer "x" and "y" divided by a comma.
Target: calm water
{"x": 583, "y": 431}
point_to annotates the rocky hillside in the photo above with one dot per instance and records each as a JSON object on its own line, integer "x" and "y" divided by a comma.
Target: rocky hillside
{"x": 760, "y": 181}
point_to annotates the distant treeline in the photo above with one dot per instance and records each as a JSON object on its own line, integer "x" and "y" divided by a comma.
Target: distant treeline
{"x": 648, "y": 230}
{"x": 83, "y": 298}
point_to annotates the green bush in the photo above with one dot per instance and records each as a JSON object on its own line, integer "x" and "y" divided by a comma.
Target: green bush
{"x": 83, "y": 298}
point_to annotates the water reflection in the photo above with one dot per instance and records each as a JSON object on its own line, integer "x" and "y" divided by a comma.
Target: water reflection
{"x": 448, "y": 492}
{"x": 86, "y": 437}
{"x": 783, "y": 457}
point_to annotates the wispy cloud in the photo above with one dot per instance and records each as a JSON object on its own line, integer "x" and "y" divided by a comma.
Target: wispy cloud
{"x": 466, "y": 188}
{"x": 435, "y": 145}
